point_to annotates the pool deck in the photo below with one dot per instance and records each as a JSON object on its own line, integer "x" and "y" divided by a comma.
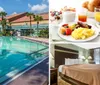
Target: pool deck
{"x": 41, "y": 40}
{"x": 38, "y": 75}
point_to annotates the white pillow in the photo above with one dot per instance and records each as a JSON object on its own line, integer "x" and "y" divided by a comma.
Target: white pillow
{"x": 69, "y": 61}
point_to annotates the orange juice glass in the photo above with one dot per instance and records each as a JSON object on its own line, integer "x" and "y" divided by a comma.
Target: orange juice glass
{"x": 82, "y": 14}
{"x": 97, "y": 15}
{"x": 82, "y": 18}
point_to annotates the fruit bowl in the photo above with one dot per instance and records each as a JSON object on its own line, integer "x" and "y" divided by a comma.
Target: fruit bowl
{"x": 55, "y": 16}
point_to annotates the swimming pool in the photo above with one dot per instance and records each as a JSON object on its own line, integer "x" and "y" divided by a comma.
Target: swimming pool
{"x": 18, "y": 54}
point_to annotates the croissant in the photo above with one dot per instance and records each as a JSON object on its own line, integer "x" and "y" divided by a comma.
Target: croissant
{"x": 91, "y": 4}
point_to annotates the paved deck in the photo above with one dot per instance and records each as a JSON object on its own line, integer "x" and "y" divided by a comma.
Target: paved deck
{"x": 36, "y": 76}
{"x": 44, "y": 40}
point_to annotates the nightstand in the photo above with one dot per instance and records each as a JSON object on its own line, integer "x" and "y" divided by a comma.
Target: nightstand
{"x": 53, "y": 76}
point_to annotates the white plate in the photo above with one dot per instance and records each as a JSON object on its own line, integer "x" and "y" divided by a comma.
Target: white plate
{"x": 98, "y": 26}
{"x": 70, "y": 38}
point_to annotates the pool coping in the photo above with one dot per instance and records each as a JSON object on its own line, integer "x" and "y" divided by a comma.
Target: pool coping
{"x": 42, "y": 42}
{"x": 21, "y": 73}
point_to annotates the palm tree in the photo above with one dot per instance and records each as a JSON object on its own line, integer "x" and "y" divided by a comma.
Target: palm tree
{"x": 30, "y": 15}
{"x": 9, "y": 23}
{"x": 3, "y": 22}
{"x": 38, "y": 18}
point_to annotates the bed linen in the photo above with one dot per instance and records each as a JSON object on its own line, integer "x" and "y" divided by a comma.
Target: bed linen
{"x": 86, "y": 73}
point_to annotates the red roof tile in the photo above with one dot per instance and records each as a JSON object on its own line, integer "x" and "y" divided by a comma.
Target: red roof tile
{"x": 45, "y": 16}
{"x": 25, "y": 18}
{"x": 21, "y": 17}
{"x": 13, "y": 15}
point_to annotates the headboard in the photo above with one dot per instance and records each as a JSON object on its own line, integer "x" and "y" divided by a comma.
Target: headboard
{"x": 61, "y": 53}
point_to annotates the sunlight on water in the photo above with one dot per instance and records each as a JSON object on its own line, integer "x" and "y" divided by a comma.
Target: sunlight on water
{"x": 15, "y": 55}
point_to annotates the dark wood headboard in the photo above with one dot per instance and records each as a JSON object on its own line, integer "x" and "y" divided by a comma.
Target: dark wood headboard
{"x": 61, "y": 53}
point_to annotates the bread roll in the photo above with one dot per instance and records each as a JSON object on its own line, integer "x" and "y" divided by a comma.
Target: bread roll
{"x": 85, "y": 4}
{"x": 91, "y": 4}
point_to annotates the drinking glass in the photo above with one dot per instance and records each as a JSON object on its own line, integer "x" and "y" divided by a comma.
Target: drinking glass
{"x": 97, "y": 15}
{"x": 82, "y": 15}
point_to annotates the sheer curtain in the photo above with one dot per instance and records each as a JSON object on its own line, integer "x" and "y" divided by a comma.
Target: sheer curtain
{"x": 97, "y": 56}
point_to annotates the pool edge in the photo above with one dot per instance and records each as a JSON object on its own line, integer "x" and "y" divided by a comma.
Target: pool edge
{"x": 42, "y": 42}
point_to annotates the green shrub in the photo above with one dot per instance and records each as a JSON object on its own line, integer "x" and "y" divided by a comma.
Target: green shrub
{"x": 43, "y": 33}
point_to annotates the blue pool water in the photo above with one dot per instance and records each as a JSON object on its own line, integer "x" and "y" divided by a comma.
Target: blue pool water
{"x": 17, "y": 55}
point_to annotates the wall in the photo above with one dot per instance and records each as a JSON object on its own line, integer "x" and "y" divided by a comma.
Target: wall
{"x": 17, "y": 17}
{"x": 23, "y": 23}
{"x": 82, "y": 52}
{"x": 61, "y": 3}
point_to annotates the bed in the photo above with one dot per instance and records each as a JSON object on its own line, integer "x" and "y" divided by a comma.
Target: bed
{"x": 79, "y": 74}
{"x": 68, "y": 58}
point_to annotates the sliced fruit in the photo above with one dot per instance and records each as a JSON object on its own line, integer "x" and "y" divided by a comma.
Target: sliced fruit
{"x": 72, "y": 27}
{"x": 65, "y": 25}
{"x": 52, "y": 14}
{"x": 57, "y": 17}
{"x": 64, "y": 33}
{"x": 60, "y": 12}
{"x": 63, "y": 30}
{"x": 68, "y": 31}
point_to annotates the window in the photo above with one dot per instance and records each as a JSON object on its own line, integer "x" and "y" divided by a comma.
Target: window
{"x": 97, "y": 56}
